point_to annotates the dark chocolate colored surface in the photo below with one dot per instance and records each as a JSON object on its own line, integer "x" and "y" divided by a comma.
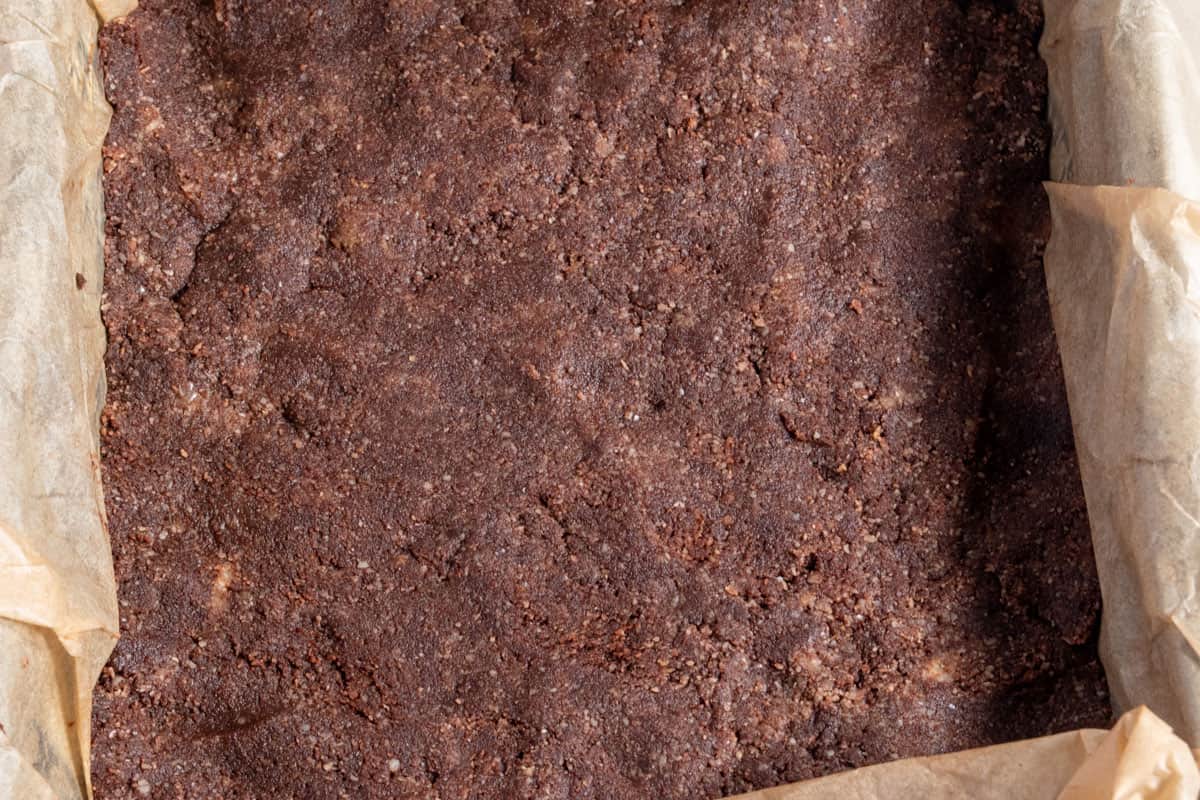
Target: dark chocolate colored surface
{"x": 580, "y": 399}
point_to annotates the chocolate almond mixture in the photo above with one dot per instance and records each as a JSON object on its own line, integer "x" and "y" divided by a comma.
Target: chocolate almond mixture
{"x": 580, "y": 398}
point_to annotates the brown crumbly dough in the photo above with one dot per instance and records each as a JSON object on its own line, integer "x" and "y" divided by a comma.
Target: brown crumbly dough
{"x": 568, "y": 399}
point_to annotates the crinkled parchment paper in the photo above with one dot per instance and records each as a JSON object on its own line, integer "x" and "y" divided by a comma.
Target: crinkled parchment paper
{"x": 1125, "y": 92}
{"x": 1123, "y": 268}
{"x": 58, "y": 610}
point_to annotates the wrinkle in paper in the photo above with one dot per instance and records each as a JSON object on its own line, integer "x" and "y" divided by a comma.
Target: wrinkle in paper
{"x": 1123, "y": 270}
{"x": 58, "y": 612}
{"x": 1124, "y": 92}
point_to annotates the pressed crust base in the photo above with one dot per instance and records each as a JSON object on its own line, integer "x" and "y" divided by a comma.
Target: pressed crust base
{"x": 580, "y": 399}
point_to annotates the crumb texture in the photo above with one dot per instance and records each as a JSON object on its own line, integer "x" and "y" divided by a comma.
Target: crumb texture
{"x": 580, "y": 399}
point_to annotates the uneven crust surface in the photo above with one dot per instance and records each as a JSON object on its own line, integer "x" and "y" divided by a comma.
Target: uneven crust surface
{"x": 580, "y": 399}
